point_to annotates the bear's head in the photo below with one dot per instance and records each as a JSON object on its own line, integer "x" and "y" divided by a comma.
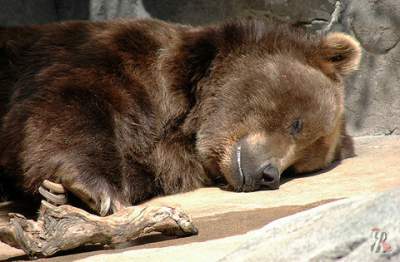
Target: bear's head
{"x": 267, "y": 98}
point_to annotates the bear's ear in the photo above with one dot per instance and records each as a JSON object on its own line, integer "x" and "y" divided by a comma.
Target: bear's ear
{"x": 199, "y": 50}
{"x": 190, "y": 59}
{"x": 342, "y": 51}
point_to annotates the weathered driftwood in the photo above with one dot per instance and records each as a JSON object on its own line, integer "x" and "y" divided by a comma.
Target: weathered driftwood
{"x": 66, "y": 227}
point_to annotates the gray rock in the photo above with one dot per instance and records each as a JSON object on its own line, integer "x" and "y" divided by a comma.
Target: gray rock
{"x": 347, "y": 230}
{"x": 26, "y": 12}
{"x": 375, "y": 24}
{"x": 193, "y": 12}
{"x": 22, "y": 12}
{"x": 110, "y": 9}
{"x": 316, "y": 12}
{"x": 71, "y": 9}
{"x": 373, "y": 103}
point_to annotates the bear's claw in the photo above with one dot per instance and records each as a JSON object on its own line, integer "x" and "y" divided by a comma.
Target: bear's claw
{"x": 54, "y": 187}
{"x": 105, "y": 205}
{"x": 53, "y": 193}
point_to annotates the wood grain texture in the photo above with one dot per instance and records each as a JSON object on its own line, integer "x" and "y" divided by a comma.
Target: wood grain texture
{"x": 66, "y": 227}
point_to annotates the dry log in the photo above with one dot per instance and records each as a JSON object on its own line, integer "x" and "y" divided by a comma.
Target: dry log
{"x": 66, "y": 227}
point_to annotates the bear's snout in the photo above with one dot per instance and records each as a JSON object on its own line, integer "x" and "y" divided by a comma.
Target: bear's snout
{"x": 270, "y": 177}
{"x": 253, "y": 167}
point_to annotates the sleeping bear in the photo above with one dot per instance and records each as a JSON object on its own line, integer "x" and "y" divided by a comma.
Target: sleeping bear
{"x": 117, "y": 112}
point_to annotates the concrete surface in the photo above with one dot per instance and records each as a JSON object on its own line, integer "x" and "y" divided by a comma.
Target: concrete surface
{"x": 219, "y": 213}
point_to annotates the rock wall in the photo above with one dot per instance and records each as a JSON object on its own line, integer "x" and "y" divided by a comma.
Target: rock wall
{"x": 373, "y": 93}
{"x": 22, "y": 12}
{"x": 373, "y": 96}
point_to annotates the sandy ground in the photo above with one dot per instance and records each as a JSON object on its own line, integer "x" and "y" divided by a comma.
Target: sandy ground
{"x": 219, "y": 214}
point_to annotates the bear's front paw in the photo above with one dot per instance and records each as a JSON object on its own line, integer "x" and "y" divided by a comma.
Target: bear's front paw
{"x": 100, "y": 199}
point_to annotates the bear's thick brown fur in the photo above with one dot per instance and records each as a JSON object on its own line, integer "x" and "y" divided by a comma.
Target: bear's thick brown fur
{"x": 121, "y": 111}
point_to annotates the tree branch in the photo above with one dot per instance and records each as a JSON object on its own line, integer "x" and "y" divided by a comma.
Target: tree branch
{"x": 66, "y": 227}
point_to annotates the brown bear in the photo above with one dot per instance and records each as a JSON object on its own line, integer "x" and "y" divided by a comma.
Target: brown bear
{"x": 123, "y": 110}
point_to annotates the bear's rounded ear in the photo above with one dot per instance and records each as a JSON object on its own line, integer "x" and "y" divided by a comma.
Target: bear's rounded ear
{"x": 191, "y": 57}
{"x": 342, "y": 51}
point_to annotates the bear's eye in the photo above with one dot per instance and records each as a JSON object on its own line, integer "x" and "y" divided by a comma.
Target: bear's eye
{"x": 296, "y": 127}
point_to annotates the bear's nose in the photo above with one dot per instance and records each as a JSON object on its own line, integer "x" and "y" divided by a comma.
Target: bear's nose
{"x": 270, "y": 177}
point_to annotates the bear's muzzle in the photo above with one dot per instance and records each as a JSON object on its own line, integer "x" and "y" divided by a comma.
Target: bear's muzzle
{"x": 252, "y": 169}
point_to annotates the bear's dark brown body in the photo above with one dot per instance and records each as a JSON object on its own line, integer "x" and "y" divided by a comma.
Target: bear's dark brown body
{"x": 124, "y": 110}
